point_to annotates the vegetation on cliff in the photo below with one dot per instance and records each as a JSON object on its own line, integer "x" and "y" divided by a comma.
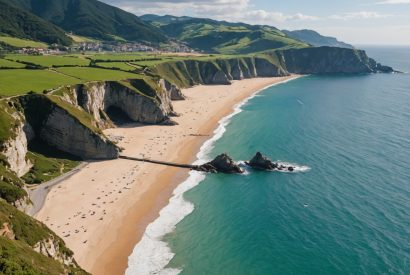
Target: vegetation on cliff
{"x": 20, "y": 236}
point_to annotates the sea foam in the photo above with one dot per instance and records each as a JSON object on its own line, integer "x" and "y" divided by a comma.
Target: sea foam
{"x": 151, "y": 255}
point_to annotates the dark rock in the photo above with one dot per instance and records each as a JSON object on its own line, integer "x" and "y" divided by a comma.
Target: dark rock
{"x": 383, "y": 69}
{"x": 259, "y": 161}
{"x": 222, "y": 163}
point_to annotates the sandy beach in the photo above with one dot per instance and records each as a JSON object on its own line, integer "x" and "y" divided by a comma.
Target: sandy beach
{"x": 101, "y": 211}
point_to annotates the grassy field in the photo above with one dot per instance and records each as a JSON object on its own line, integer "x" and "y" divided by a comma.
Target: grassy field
{"x": 10, "y": 64}
{"x": 46, "y": 166}
{"x": 81, "y": 39}
{"x": 50, "y": 60}
{"x": 21, "y": 81}
{"x": 119, "y": 65}
{"x": 89, "y": 74}
{"x": 21, "y": 43}
{"x": 120, "y": 57}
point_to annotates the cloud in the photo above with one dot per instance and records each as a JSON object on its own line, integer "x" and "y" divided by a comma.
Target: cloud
{"x": 359, "y": 15}
{"x": 394, "y": 2}
{"x": 229, "y": 10}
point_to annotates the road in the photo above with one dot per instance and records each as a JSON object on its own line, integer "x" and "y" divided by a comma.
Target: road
{"x": 38, "y": 194}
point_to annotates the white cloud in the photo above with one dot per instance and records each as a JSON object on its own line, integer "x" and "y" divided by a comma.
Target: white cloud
{"x": 229, "y": 10}
{"x": 394, "y": 2}
{"x": 359, "y": 15}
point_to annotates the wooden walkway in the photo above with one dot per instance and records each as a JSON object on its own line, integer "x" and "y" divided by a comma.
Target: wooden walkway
{"x": 173, "y": 164}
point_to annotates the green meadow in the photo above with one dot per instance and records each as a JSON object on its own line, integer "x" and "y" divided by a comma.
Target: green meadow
{"x": 91, "y": 74}
{"x": 21, "y": 81}
{"x": 74, "y": 68}
{"x": 10, "y": 64}
{"x": 117, "y": 65}
{"x": 22, "y": 43}
{"x": 50, "y": 60}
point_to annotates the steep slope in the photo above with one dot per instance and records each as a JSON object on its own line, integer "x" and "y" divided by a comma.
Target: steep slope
{"x": 95, "y": 19}
{"x": 316, "y": 39}
{"x": 19, "y": 23}
{"x": 221, "y": 71}
{"x": 224, "y": 37}
{"x": 29, "y": 247}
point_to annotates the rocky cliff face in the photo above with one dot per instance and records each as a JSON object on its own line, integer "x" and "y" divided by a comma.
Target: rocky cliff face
{"x": 148, "y": 106}
{"x": 187, "y": 73}
{"x": 328, "y": 60}
{"x": 173, "y": 91}
{"x": 15, "y": 150}
{"x": 66, "y": 128}
{"x": 64, "y": 132}
{"x": 50, "y": 247}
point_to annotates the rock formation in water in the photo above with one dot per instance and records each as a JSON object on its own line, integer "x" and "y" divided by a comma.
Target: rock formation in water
{"x": 221, "y": 164}
{"x": 260, "y": 161}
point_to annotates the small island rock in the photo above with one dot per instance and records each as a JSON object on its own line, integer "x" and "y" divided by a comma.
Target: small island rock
{"x": 222, "y": 163}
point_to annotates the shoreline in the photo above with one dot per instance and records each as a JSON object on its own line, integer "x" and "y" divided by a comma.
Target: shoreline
{"x": 103, "y": 210}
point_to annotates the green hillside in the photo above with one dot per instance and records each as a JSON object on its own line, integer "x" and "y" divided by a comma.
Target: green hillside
{"x": 224, "y": 37}
{"x": 94, "y": 19}
{"x": 16, "y": 248}
{"x": 316, "y": 39}
{"x": 16, "y": 22}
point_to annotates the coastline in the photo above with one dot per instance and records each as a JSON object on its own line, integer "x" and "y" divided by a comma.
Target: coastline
{"x": 103, "y": 210}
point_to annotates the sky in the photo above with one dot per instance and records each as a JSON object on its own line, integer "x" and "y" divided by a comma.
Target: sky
{"x": 359, "y": 22}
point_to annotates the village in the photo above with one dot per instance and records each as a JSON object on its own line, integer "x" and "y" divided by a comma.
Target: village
{"x": 114, "y": 47}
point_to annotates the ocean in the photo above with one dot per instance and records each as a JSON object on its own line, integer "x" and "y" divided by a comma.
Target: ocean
{"x": 345, "y": 211}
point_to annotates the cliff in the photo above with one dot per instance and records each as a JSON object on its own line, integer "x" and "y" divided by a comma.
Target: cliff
{"x": 221, "y": 71}
{"x": 142, "y": 100}
{"x": 187, "y": 73}
{"x": 57, "y": 123}
{"x": 28, "y": 247}
{"x": 66, "y": 128}
{"x": 323, "y": 60}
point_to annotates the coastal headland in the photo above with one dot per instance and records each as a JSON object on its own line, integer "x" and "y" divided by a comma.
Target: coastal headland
{"x": 102, "y": 210}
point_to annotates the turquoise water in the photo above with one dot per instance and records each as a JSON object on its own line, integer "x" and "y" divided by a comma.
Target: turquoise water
{"x": 350, "y": 214}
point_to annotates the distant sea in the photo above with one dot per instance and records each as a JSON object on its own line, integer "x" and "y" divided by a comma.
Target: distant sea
{"x": 347, "y": 209}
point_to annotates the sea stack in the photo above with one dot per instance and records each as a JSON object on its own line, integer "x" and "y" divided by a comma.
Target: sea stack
{"x": 223, "y": 164}
{"x": 260, "y": 161}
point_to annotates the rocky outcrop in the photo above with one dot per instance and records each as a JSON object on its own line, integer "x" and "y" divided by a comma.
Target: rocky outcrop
{"x": 64, "y": 132}
{"x": 138, "y": 100}
{"x": 50, "y": 247}
{"x": 173, "y": 91}
{"x": 187, "y": 73}
{"x": 6, "y": 231}
{"x": 221, "y": 164}
{"x": 64, "y": 127}
{"x": 261, "y": 162}
{"x": 264, "y": 68}
{"x": 15, "y": 150}
{"x": 328, "y": 60}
